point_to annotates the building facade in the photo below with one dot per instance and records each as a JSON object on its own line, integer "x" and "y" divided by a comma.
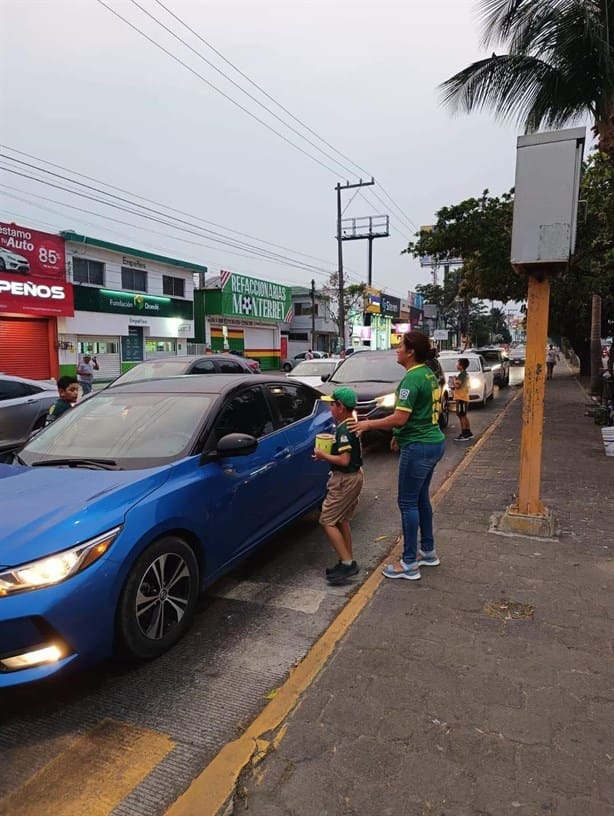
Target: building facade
{"x": 34, "y": 298}
{"x": 129, "y": 306}
{"x": 312, "y": 325}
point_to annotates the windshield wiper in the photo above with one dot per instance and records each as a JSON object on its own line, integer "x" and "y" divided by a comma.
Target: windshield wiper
{"x": 94, "y": 464}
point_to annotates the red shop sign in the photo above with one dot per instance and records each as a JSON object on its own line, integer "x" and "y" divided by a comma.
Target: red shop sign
{"x": 24, "y": 251}
{"x": 35, "y": 296}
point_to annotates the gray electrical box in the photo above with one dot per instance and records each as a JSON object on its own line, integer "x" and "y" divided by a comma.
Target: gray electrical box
{"x": 548, "y": 167}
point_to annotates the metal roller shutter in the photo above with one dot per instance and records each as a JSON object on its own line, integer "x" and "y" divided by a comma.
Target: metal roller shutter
{"x": 24, "y": 348}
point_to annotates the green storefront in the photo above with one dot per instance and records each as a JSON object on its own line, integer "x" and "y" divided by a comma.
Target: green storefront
{"x": 240, "y": 313}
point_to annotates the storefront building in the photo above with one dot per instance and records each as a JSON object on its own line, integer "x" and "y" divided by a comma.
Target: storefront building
{"x": 243, "y": 314}
{"x": 34, "y": 297}
{"x": 129, "y": 306}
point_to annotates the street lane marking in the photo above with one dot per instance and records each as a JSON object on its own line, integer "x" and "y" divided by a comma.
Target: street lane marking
{"x": 213, "y": 787}
{"x": 93, "y": 775}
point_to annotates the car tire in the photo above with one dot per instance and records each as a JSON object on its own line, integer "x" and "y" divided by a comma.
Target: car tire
{"x": 286, "y": 367}
{"x": 484, "y": 399}
{"x": 444, "y": 416}
{"x": 168, "y": 564}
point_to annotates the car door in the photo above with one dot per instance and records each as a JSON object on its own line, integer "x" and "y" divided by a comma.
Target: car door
{"x": 293, "y": 408}
{"x": 487, "y": 375}
{"x": 251, "y": 490}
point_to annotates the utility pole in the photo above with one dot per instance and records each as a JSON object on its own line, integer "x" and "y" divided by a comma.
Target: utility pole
{"x": 313, "y": 314}
{"x": 338, "y": 188}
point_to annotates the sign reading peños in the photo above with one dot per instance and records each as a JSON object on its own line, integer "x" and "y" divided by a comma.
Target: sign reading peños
{"x": 24, "y": 251}
{"x": 256, "y": 299}
{"x": 39, "y": 296}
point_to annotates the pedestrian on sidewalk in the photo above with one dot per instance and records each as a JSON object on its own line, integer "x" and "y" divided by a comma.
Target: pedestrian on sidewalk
{"x": 552, "y": 359}
{"x": 416, "y": 433}
{"x": 85, "y": 373}
{"x": 461, "y": 398}
{"x": 344, "y": 484}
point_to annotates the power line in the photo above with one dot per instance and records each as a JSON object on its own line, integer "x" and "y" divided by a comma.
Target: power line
{"x": 233, "y": 101}
{"x": 153, "y": 201}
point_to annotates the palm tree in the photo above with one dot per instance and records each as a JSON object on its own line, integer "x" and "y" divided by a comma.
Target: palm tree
{"x": 559, "y": 67}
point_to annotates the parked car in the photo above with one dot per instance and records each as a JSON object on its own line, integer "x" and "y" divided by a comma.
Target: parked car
{"x": 11, "y": 262}
{"x": 288, "y": 365}
{"x": 499, "y": 363}
{"x": 115, "y": 517}
{"x": 374, "y": 375}
{"x": 175, "y": 366}
{"x": 251, "y": 362}
{"x": 314, "y": 372}
{"x": 24, "y": 405}
{"x": 518, "y": 356}
{"x": 481, "y": 383}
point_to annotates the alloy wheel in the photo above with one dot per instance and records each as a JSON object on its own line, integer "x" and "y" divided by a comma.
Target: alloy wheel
{"x": 163, "y": 595}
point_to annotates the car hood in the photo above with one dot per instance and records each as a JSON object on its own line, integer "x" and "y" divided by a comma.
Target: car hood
{"x": 364, "y": 390}
{"x": 46, "y": 509}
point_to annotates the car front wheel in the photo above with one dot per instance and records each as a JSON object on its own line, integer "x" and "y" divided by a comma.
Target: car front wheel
{"x": 158, "y": 600}
{"x": 444, "y": 416}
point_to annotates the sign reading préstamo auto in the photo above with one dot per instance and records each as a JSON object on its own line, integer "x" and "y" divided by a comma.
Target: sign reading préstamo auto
{"x": 25, "y": 251}
{"x": 256, "y": 299}
{"x": 36, "y": 296}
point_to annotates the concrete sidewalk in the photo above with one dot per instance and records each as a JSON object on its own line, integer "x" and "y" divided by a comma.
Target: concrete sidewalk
{"x": 488, "y": 686}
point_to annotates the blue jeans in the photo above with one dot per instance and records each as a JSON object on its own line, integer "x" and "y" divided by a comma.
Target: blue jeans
{"x": 418, "y": 460}
{"x": 86, "y": 387}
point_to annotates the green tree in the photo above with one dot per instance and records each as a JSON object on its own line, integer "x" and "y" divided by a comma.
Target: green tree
{"x": 478, "y": 230}
{"x": 559, "y": 65}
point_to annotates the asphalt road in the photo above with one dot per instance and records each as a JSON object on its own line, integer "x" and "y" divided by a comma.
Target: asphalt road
{"x": 128, "y": 740}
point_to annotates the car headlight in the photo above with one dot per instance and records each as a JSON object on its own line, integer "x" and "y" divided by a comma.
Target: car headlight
{"x": 56, "y": 568}
{"x": 387, "y": 401}
{"x": 475, "y": 382}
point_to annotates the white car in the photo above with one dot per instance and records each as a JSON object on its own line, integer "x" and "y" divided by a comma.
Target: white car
{"x": 311, "y": 372}
{"x": 481, "y": 381}
{"x": 11, "y": 262}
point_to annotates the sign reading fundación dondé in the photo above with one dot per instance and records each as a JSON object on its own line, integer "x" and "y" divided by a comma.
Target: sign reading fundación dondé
{"x": 256, "y": 299}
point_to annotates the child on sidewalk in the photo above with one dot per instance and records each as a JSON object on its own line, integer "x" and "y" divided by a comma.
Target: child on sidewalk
{"x": 344, "y": 485}
{"x": 461, "y": 397}
{"x": 68, "y": 389}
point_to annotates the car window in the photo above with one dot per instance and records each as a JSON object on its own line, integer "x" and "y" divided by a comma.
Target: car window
{"x": 365, "y": 367}
{"x": 11, "y": 389}
{"x": 313, "y": 368}
{"x": 291, "y": 402}
{"x": 230, "y": 367}
{"x": 449, "y": 364}
{"x": 492, "y": 356}
{"x": 203, "y": 367}
{"x": 245, "y": 412}
{"x": 152, "y": 370}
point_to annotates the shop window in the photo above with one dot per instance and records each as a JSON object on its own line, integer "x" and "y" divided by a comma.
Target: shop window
{"x": 95, "y": 347}
{"x": 153, "y": 345}
{"x": 85, "y": 271}
{"x": 304, "y": 309}
{"x": 298, "y": 336}
{"x": 134, "y": 279}
{"x": 175, "y": 287}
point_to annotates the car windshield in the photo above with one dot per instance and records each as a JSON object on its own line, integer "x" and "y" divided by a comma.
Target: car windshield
{"x": 449, "y": 364}
{"x": 366, "y": 367}
{"x": 313, "y": 368}
{"x": 152, "y": 370}
{"x": 135, "y": 430}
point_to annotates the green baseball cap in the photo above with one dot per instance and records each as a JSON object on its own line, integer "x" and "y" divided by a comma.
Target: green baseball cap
{"x": 346, "y": 396}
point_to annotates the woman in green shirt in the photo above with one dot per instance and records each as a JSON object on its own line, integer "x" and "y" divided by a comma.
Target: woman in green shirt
{"x": 416, "y": 432}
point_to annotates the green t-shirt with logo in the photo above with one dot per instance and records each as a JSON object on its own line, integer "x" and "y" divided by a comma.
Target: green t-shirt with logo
{"x": 419, "y": 394}
{"x": 346, "y": 441}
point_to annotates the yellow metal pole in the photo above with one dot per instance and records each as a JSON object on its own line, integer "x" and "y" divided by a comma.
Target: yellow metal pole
{"x": 529, "y": 502}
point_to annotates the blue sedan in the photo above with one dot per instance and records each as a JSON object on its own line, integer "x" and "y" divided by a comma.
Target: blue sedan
{"x": 118, "y": 514}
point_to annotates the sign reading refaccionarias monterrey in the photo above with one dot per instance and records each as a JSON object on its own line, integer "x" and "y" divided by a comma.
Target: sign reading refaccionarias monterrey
{"x": 256, "y": 299}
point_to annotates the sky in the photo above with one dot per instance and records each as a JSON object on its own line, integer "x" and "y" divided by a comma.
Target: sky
{"x": 87, "y": 92}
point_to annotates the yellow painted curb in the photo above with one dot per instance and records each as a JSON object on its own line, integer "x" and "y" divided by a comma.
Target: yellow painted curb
{"x": 212, "y": 788}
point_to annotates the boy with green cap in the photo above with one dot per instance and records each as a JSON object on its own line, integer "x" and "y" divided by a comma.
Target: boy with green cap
{"x": 344, "y": 484}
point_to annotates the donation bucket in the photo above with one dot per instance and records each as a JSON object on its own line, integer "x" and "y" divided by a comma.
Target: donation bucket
{"x": 324, "y": 442}
{"x": 608, "y": 440}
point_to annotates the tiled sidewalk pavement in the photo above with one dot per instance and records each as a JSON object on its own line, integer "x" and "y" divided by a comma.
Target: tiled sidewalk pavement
{"x": 432, "y": 706}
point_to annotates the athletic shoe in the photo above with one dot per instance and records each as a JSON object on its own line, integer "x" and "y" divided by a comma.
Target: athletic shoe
{"x": 467, "y": 435}
{"x": 462, "y": 438}
{"x": 428, "y": 559}
{"x": 330, "y": 570}
{"x": 410, "y": 572}
{"x": 342, "y": 572}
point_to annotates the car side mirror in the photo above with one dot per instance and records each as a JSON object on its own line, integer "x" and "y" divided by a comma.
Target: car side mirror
{"x": 487, "y": 368}
{"x": 325, "y": 377}
{"x": 233, "y": 444}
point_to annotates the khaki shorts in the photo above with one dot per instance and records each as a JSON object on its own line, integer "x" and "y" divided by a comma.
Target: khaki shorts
{"x": 342, "y": 492}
